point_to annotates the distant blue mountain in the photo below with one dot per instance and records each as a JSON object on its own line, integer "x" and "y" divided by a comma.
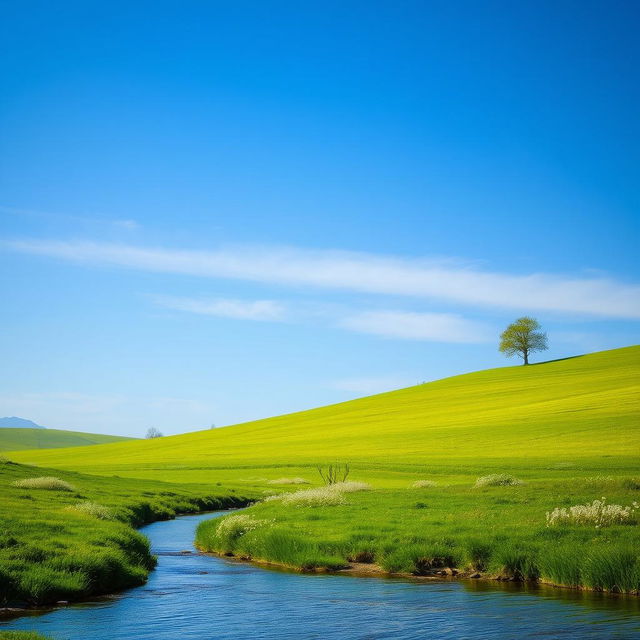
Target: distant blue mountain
{"x": 19, "y": 423}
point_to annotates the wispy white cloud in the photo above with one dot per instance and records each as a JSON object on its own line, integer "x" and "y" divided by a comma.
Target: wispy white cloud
{"x": 408, "y": 325}
{"x": 597, "y": 296}
{"x": 370, "y": 385}
{"x": 263, "y": 310}
{"x": 125, "y": 223}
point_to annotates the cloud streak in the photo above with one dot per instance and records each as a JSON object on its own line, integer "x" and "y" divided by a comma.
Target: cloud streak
{"x": 261, "y": 310}
{"x": 366, "y": 273}
{"x": 407, "y": 325}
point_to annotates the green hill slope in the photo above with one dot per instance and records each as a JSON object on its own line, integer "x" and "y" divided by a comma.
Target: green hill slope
{"x": 461, "y": 473}
{"x": 583, "y": 408}
{"x": 15, "y": 439}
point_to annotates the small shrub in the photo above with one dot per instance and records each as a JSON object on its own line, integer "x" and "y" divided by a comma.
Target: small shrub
{"x": 334, "y": 473}
{"x": 497, "y": 480}
{"x": 93, "y": 509}
{"x": 321, "y": 497}
{"x": 597, "y": 514}
{"x": 289, "y": 481}
{"x": 4, "y": 459}
{"x": 45, "y": 482}
{"x": 631, "y": 483}
{"x": 424, "y": 484}
{"x": 420, "y": 505}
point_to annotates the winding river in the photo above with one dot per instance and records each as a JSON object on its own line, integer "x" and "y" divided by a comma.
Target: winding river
{"x": 199, "y": 597}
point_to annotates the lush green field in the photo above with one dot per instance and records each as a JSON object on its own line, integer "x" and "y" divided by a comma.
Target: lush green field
{"x": 569, "y": 430}
{"x": 73, "y": 537}
{"x": 16, "y": 439}
{"x": 21, "y": 635}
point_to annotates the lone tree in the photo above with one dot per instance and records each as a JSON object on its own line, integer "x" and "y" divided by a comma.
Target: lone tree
{"x": 523, "y": 337}
{"x": 153, "y": 433}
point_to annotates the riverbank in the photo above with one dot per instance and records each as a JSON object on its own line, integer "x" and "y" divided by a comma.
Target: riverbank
{"x": 66, "y": 536}
{"x": 437, "y": 531}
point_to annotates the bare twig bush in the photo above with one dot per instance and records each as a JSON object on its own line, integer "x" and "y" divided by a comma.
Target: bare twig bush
{"x": 333, "y": 473}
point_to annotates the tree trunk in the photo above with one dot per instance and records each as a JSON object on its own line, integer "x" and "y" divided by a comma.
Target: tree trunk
{"x": 526, "y": 357}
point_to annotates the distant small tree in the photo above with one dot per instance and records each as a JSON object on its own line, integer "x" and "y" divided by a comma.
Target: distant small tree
{"x": 522, "y": 337}
{"x": 152, "y": 432}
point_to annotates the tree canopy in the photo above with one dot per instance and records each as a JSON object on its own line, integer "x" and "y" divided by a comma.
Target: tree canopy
{"x": 522, "y": 337}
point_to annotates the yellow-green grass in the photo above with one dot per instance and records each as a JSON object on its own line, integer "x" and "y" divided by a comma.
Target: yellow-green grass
{"x": 15, "y": 439}
{"x": 66, "y": 545}
{"x": 581, "y": 411}
{"x": 556, "y": 426}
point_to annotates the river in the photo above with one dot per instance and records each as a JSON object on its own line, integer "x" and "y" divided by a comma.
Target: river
{"x": 200, "y": 597}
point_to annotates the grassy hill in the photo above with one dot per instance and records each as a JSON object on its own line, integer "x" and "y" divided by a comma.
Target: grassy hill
{"x": 581, "y": 411}
{"x": 13, "y": 439}
{"x": 454, "y": 474}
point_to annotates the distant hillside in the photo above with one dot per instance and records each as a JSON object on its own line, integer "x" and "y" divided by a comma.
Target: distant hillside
{"x": 580, "y": 408}
{"x": 19, "y": 423}
{"x": 15, "y": 439}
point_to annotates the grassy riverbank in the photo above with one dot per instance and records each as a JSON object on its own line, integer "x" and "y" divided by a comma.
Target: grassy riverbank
{"x": 66, "y": 536}
{"x": 567, "y": 432}
{"x": 495, "y": 531}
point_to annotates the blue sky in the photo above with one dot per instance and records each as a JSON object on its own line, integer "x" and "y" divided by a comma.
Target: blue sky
{"x": 212, "y": 212}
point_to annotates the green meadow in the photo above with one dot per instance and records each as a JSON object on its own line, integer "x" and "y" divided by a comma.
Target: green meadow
{"x": 548, "y": 436}
{"x": 16, "y": 439}
{"x": 66, "y": 535}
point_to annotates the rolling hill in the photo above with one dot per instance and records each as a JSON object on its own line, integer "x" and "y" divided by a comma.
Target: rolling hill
{"x": 576, "y": 410}
{"x": 13, "y": 439}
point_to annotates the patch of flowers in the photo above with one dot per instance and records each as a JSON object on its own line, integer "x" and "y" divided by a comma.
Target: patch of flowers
{"x": 349, "y": 487}
{"x": 93, "y": 509}
{"x": 238, "y": 525}
{"x": 597, "y": 514}
{"x": 320, "y": 497}
{"x": 497, "y": 480}
{"x": 424, "y": 484}
{"x": 44, "y": 482}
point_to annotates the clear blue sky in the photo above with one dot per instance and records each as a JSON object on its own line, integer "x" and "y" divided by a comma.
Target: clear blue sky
{"x": 218, "y": 211}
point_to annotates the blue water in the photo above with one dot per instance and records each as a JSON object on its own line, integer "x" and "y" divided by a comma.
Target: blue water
{"x": 194, "y": 596}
